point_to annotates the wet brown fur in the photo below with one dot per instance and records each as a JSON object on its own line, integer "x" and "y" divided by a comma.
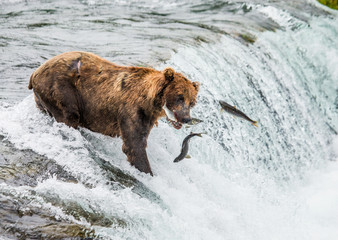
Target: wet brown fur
{"x": 82, "y": 89}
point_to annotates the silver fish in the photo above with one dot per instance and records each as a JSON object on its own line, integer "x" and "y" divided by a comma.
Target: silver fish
{"x": 194, "y": 121}
{"x": 234, "y": 111}
{"x": 185, "y": 146}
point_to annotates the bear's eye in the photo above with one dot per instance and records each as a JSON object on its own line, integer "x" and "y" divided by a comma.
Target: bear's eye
{"x": 180, "y": 98}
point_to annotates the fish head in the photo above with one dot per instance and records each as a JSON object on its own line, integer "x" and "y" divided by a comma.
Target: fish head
{"x": 179, "y": 97}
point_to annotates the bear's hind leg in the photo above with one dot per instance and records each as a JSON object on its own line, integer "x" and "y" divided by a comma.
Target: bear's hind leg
{"x": 39, "y": 103}
{"x": 62, "y": 104}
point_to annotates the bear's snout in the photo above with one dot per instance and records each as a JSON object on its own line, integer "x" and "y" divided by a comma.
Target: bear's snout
{"x": 183, "y": 116}
{"x": 186, "y": 119}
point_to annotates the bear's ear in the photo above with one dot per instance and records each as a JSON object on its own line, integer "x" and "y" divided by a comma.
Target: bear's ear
{"x": 196, "y": 85}
{"x": 169, "y": 74}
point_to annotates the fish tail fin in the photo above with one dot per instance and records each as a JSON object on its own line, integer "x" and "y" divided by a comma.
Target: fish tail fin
{"x": 255, "y": 123}
{"x": 200, "y": 134}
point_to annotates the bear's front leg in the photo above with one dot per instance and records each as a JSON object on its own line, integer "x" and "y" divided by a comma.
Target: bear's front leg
{"x": 134, "y": 135}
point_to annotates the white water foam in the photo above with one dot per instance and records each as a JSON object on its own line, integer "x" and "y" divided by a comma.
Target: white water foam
{"x": 282, "y": 17}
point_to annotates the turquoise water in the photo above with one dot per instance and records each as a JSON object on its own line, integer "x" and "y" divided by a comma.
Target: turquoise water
{"x": 275, "y": 61}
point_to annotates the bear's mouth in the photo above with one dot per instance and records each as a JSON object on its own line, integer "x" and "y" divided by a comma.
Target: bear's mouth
{"x": 171, "y": 117}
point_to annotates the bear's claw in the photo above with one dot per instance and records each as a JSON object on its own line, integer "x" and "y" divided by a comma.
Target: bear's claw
{"x": 175, "y": 124}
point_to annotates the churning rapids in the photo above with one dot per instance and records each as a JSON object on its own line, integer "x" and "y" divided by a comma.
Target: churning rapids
{"x": 277, "y": 61}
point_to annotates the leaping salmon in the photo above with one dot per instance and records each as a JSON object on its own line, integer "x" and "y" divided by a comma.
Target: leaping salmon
{"x": 234, "y": 111}
{"x": 185, "y": 146}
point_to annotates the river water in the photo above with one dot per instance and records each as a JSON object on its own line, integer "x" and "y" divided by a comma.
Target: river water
{"x": 277, "y": 61}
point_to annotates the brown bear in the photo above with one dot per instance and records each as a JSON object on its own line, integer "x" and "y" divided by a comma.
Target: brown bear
{"x": 82, "y": 89}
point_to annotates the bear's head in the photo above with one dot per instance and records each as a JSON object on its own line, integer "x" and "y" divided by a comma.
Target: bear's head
{"x": 179, "y": 96}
